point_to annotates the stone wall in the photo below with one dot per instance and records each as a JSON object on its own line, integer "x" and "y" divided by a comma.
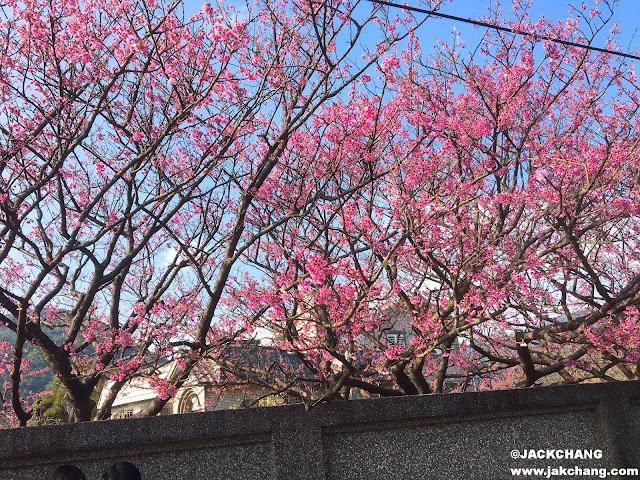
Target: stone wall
{"x": 457, "y": 436}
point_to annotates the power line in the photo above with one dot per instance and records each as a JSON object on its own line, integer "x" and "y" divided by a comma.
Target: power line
{"x": 503, "y": 29}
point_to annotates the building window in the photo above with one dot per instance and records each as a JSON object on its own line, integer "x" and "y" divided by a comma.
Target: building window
{"x": 396, "y": 337}
{"x": 123, "y": 414}
{"x": 189, "y": 403}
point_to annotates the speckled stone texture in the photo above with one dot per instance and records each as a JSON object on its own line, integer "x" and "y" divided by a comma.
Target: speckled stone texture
{"x": 457, "y": 436}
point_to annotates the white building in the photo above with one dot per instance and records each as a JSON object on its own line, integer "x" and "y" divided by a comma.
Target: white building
{"x": 211, "y": 386}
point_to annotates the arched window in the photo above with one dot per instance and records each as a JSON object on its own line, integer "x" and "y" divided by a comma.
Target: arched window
{"x": 189, "y": 402}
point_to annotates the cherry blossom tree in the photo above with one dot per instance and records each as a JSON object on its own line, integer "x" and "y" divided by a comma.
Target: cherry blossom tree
{"x": 497, "y": 247}
{"x": 403, "y": 222}
{"x": 144, "y": 154}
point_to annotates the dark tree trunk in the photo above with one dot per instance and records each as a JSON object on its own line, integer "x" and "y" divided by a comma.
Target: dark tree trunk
{"x": 78, "y": 405}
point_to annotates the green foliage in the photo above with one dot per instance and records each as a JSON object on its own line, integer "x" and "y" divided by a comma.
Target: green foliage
{"x": 49, "y": 408}
{"x": 36, "y": 383}
{"x": 271, "y": 401}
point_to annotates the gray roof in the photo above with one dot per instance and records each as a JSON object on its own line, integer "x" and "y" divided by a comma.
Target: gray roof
{"x": 246, "y": 362}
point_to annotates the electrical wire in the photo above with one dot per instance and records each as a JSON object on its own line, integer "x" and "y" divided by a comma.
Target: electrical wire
{"x": 503, "y": 29}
